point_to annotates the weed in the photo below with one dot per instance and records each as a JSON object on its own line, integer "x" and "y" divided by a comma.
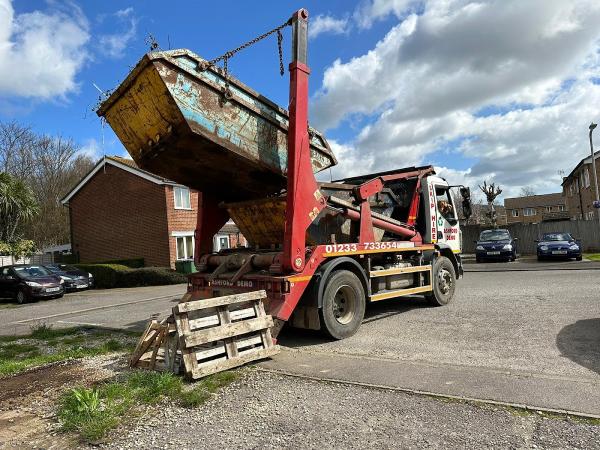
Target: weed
{"x": 21, "y": 351}
{"x": 88, "y": 400}
{"x": 119, "y": 398}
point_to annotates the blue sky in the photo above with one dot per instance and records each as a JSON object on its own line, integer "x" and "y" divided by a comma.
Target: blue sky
{"x": 500, "y": 90}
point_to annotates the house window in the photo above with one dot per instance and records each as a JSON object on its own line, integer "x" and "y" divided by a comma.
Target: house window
{"x": 182, "y": 197}
{"x": 590, "y": 215}
{"x": 561, "y": 207}
{"x": 548, "y": 208}
{"x": 220, "y": 242}
{"x": 529, "y": 212}
{"x": 515, "y": 213}
{"x": 185, "y": 246}
{"x": 577, "y": 185}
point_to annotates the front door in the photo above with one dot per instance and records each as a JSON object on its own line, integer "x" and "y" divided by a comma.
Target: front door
{"x": 448, "y": 230}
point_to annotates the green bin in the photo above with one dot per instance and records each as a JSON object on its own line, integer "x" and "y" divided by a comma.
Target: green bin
{"x": 185, "y": 266}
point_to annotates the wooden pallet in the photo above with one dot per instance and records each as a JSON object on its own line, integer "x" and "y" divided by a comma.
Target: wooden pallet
{"x": 157, "y": 348}
{"x": 220, "y": 333}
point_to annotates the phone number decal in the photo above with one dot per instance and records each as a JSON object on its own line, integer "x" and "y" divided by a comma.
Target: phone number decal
{"x": 349, "y": 248}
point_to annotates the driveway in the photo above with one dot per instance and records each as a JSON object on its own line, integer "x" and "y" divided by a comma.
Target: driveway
{"x": 113, "y": 308}
{"x": 521, "y": 337}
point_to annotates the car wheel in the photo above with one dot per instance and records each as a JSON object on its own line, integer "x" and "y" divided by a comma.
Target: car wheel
{"x": 540, "y": 258}
{"x": 344, "y": 305}
{"x": 579, "y": 258}
{"x": 21, "y": 297}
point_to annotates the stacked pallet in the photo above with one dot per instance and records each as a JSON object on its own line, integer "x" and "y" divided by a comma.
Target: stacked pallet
{"x": 205, "y": 336}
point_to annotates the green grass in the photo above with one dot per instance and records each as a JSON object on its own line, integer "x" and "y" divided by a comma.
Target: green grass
{"x": 93, "y": 412}
{"x": 592, "y": 256}
{"x": 46, "y": 345}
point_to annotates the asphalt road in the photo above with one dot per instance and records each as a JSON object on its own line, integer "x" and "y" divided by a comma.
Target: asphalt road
{"x": 112, "y": 308}
{"x": 526, "y": 336}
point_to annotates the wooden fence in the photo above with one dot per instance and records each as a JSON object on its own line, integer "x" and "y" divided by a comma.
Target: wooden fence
{"x": 586, "y": 230}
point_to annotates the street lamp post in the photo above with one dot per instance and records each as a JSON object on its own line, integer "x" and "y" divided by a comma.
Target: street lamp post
{"x": 592, "y": 126}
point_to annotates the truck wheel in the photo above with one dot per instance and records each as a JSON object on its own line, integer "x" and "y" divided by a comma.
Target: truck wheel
{"x": 444, "y": 282}
{"x": 343, "y": 305}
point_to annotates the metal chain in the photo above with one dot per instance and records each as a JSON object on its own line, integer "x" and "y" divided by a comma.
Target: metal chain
{"x": 227, "y": 55}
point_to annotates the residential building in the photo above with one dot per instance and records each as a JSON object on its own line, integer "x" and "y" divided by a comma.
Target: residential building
{"x": 536, "y": 208}
{"x": 119, "y": 211}
{"x": 579, "y": 189}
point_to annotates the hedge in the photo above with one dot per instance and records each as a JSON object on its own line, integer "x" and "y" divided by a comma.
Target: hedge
{"x": 107, "y": 276}
{"x": 132, "y": 263}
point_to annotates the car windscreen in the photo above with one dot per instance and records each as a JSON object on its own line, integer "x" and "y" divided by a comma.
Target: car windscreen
{"x": 31, "y": 271}
{"x": 53, "y": 268}
{"x": 494, "y": 235}
{"x": 68, "y": 268}
{"x": 557, "y": 237}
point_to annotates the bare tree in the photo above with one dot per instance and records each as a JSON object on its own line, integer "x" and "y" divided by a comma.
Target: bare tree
{"x": 491, "y": 191}
{"x": 526, "y": 191}
{"x": 50, "y": 166}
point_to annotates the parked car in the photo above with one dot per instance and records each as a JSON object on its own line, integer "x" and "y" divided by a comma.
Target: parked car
{"x": 24, "y": 282}
{"x": 558, "y": 245}
{"x": 75, "y": 279}
{"x": 496, "y": 244}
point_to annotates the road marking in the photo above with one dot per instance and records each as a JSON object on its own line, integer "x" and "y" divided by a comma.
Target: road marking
{"x": 80, "y": 323}
{"x": 96, "y": 308}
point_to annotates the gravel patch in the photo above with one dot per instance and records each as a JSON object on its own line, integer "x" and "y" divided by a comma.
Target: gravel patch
{"x": 265, "y": 410}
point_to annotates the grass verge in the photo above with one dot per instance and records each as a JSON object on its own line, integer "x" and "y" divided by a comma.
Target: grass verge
{"x": 47, "y": 345}
{"x": 592, "y": 256}
{"x": 93, "y": 412}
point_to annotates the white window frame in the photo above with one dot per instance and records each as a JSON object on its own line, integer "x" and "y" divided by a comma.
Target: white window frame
{"x": 217, "y": 241}
{"x": 178, "y": 193}
{"x": 586, "y": 177}
{"x": 189, "y": 252}
{"x": 548, "y": 208}
{"x": 528, "y": 210}
{"x": 561, "y": 208}
{"x": 515, "y": 213}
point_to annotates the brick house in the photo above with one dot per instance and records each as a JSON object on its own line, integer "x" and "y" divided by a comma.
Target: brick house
{"x": 119, "y": 211}
{"x": 536, "y": 208}
{"x": 579, "y": 189}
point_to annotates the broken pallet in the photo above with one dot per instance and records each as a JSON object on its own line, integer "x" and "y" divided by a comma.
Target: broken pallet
{"x": 220, "y": 333}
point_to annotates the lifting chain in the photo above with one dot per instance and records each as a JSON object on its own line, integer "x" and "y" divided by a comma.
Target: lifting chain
{"x": 227, "y": 55}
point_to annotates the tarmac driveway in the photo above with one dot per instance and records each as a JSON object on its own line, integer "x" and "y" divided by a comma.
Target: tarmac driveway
{"x": 521, "y": 337}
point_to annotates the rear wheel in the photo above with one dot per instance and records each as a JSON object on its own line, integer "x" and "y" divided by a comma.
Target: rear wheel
{"x": 444, "y": 282}
{"x": 343, "y": 304}
{"x": 21, "y": 297}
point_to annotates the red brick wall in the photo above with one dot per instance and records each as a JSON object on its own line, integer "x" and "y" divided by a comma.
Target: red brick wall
{"x": 120, "y": 215}
{"x": 180, "y": 219}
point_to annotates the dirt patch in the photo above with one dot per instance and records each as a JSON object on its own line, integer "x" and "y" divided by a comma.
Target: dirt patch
{"x": 27, "y": 401}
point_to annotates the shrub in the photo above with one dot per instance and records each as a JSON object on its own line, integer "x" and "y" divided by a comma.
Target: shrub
{"x": 151, "y": 276}
{"x": 106, "y": 276}
{"x": 132, "y": 263}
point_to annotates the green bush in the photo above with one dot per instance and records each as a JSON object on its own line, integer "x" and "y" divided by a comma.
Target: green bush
{"x": 132, "y": 263}
{"x": 107, "y": 276}
{"x": 151, "y": 276}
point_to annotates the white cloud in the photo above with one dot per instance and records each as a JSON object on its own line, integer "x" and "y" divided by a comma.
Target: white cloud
{"x": 429, "y": 80}
{"x": 114, "y": 45}
{"x": 41, "y": 52}
{"x": 372, "y": 11}
{"x": 322, "y": 24}
{"x": 90, "y": 148}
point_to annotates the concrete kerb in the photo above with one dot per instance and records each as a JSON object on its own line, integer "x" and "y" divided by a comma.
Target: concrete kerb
{"x": 470, "y": 400}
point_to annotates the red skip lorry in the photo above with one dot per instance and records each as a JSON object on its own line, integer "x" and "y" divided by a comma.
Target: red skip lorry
{"x": 321, "y": 250}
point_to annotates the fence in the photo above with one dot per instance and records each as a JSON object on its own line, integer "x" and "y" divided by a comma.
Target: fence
{"x": 47, "y": 258}
{"x": 586, "y": 230}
